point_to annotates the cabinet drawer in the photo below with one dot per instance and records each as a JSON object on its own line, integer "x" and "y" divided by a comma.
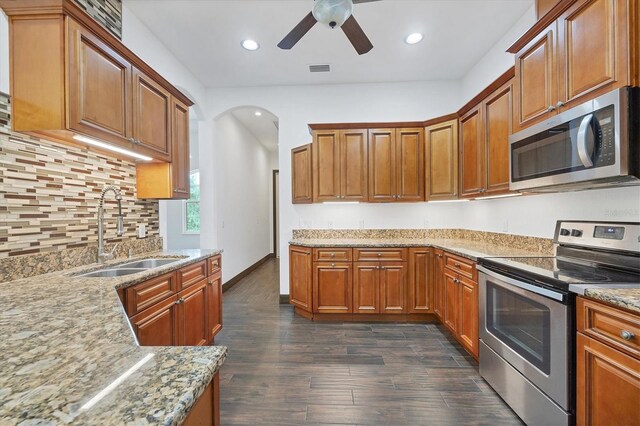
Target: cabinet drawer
{"x": 460, "y": 265}
{"x": 191, "y": 274}
{"x": 331, "y": 254}
{"x": 148, "y": 293}
{"x": 214, "y": 264}
{"x": 381, "y": 254}
{"x": 609, "y": 325}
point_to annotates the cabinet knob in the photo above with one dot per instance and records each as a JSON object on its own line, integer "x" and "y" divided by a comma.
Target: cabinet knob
{"x": 560, "y": 104}
{"x": 627, "y": 335}
{"x": 333, "y": 255}
{"x": 382, "y": 267}
{"x": 179, "y": 301}
{"x": 379, "y": 254}
{"x": 337, "y": 196}
{"x": 132, "y": 140}
{"x": 551, "y": 108}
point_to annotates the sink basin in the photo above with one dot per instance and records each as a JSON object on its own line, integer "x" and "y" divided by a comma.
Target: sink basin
{"x": 147, "y": 263}
{"x": 111, "y": 273}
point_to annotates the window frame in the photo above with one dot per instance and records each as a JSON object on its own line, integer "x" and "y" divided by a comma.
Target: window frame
{"x": 185, "y": 231}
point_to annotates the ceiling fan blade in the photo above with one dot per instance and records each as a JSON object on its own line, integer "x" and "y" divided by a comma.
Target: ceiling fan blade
{"x": 363, "y": 1}
{"x": 298, "y": 32}
{"x": 356, "y": 36}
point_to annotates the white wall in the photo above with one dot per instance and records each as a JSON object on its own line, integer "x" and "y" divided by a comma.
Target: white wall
{"x": 242, "y": 193}
{"x": 496, "y": 60}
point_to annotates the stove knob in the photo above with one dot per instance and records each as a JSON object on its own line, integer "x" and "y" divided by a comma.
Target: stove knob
{"x": 564, "y": 232}
{"x": 576, "y": 233}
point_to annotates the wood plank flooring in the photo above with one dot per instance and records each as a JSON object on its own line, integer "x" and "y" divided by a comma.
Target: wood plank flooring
{"x": 286, "y": 370}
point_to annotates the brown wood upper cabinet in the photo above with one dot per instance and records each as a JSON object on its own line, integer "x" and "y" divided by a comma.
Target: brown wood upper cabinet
{"x": 301, "y": 176}
{"x": 441, "y": 159}
{"x": 484, "y": 145}
{"x": 340, "y": 165}
{"x": 396, "y": 165}
{"x": 71, "y": 78}
{"x": 584, "y": 53}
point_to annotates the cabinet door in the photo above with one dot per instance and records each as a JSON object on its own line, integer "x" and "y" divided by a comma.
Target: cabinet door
{"x": 151, "y": 117}
{"x": 438, "y": 288}
{"x": 99, "y": 88}
{"x": 498, "y": 112}
{"x": 192, "y": 315}
{"x": 354, "y": 167}
{"x": 301, "y": 185}
{"x": 366, "y": 288}
{"x": 332, "y": 288}
{"x": 420, "y": 293}
{"x": 608, "y": 384}
{"x": 393, "y": 284}
{"x": 214, "y": 305}
{"x": 593, "y": 49}
{"x": 157, "y": 325}
{"x": 300, "y": 277}
{"x": 536, "y": 85}
{"x": 472, "y": 172}
{"x": 382, "y": 165}
{"x": 469, "y": 315}
{"x": 410, "y": 164}
{"x": 451, "y": 302}
{"x": 441, "y": 161}
{"x": 326, "y": 165}
{"x": 180, "y": 166}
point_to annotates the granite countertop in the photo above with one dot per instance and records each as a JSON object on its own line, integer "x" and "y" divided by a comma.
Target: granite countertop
{"x": 628, "y": 298}
{"x": 470, "y": 249}
{"x": 68, "y": 354}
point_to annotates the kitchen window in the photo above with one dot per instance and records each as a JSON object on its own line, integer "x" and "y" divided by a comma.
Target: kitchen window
{"x": 191, "y": 207}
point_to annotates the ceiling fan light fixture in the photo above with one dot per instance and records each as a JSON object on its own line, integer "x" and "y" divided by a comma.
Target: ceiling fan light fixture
{"x": 250, "y": 44}
{"x": 332, "y": 13}
{"x": 413, "y": 38}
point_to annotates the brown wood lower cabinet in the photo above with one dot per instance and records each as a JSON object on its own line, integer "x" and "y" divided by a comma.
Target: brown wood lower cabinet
{"x": 608, "y": 365}
{"x": 386, "y": 284}
{"x": 332, "y": 287}
{"x": 206, "y": 410}
{"x": 160, "y": 315}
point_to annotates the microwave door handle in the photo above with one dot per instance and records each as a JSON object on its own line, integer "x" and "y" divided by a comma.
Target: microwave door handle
{"x": 582, "y": 142}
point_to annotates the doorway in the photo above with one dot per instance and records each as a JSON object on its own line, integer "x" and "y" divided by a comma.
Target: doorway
{"x": 276, "y": 216}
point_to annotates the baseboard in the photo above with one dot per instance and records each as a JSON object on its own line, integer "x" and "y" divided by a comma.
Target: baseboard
{"x": 233, "y": 281}
{"x": 284, "y": 299}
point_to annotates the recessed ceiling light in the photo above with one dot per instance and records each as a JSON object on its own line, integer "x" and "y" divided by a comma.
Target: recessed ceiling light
{"x": 258, "y": 113}
{"x": 413, "y": 38}
{"x": 250, "y": 44}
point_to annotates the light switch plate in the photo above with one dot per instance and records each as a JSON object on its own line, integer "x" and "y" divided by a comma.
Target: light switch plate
{"x": 142, "y": 230}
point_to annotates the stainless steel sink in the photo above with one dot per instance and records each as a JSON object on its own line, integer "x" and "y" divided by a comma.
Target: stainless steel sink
{"x": 111, "y": 273}
{"x": 147, "y": 263}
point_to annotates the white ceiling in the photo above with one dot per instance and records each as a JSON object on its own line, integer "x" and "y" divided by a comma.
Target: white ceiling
{"x": 264, "y": 127}
{"x": 205, "y": 35}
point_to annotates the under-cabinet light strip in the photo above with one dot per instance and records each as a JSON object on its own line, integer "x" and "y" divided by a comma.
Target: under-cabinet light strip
{"x": 490, "y": 197}
{"x": 103, "y": 145}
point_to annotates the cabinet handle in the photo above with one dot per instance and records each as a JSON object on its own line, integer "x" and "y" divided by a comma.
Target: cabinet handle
{"x": 179, "y": 301}
{"x": 627, "y": 335}
{"x": 333, "y": 265}
{"x": 379, "y": 254}
{"x": 382, "y": 267}
{"x": 457, "y": 265}
{"x": 560, "y": 104}
{"x": 337, "y": 196}
{"x": 132, "y": 141}
{"x": 551, "y": 108}
{"x": 333, "y": 255}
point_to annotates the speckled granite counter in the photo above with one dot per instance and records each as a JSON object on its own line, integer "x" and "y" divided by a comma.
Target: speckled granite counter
{"x": 68, "y": 355}
{"x": 628, "y": 298}
{"x": 469, "y": 249}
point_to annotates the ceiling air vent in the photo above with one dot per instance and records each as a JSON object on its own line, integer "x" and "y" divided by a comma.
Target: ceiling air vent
{"x": 320, "y": 68}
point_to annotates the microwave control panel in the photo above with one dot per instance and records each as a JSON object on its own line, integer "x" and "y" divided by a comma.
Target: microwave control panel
{"x": 604, "y": 137}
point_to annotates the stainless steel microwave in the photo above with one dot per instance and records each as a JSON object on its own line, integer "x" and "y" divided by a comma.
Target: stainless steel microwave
{"x": 593, "y": 145}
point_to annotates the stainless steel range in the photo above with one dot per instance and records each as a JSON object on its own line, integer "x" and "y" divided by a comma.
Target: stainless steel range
{"x": 527, "y": 314}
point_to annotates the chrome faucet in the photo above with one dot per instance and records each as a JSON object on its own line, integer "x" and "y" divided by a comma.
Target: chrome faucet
{"x": 102, "y": 255}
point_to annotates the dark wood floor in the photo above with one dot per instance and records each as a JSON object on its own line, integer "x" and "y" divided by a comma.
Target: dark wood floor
{"x": 283, "y": 369}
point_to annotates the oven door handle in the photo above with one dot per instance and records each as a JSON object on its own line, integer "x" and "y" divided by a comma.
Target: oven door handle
{"x": 523, "y": 285}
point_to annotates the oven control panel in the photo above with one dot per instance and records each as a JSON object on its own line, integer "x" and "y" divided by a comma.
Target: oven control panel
{"x": 613, "y": 235}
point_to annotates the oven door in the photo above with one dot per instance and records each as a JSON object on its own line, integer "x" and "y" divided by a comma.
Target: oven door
{"x": 528, "y": 327}
{"x": 582, "y": 144}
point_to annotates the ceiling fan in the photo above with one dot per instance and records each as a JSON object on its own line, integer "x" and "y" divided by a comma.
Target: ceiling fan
{"x": 333, "y": 13}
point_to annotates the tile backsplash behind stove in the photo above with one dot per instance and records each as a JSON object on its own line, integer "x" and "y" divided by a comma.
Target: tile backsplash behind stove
{"x": 49, "y": 195}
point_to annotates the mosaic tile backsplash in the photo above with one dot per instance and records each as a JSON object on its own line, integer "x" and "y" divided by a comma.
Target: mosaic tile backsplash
{"x": 49, "y": 195}
{"x": 106, "y": 12}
